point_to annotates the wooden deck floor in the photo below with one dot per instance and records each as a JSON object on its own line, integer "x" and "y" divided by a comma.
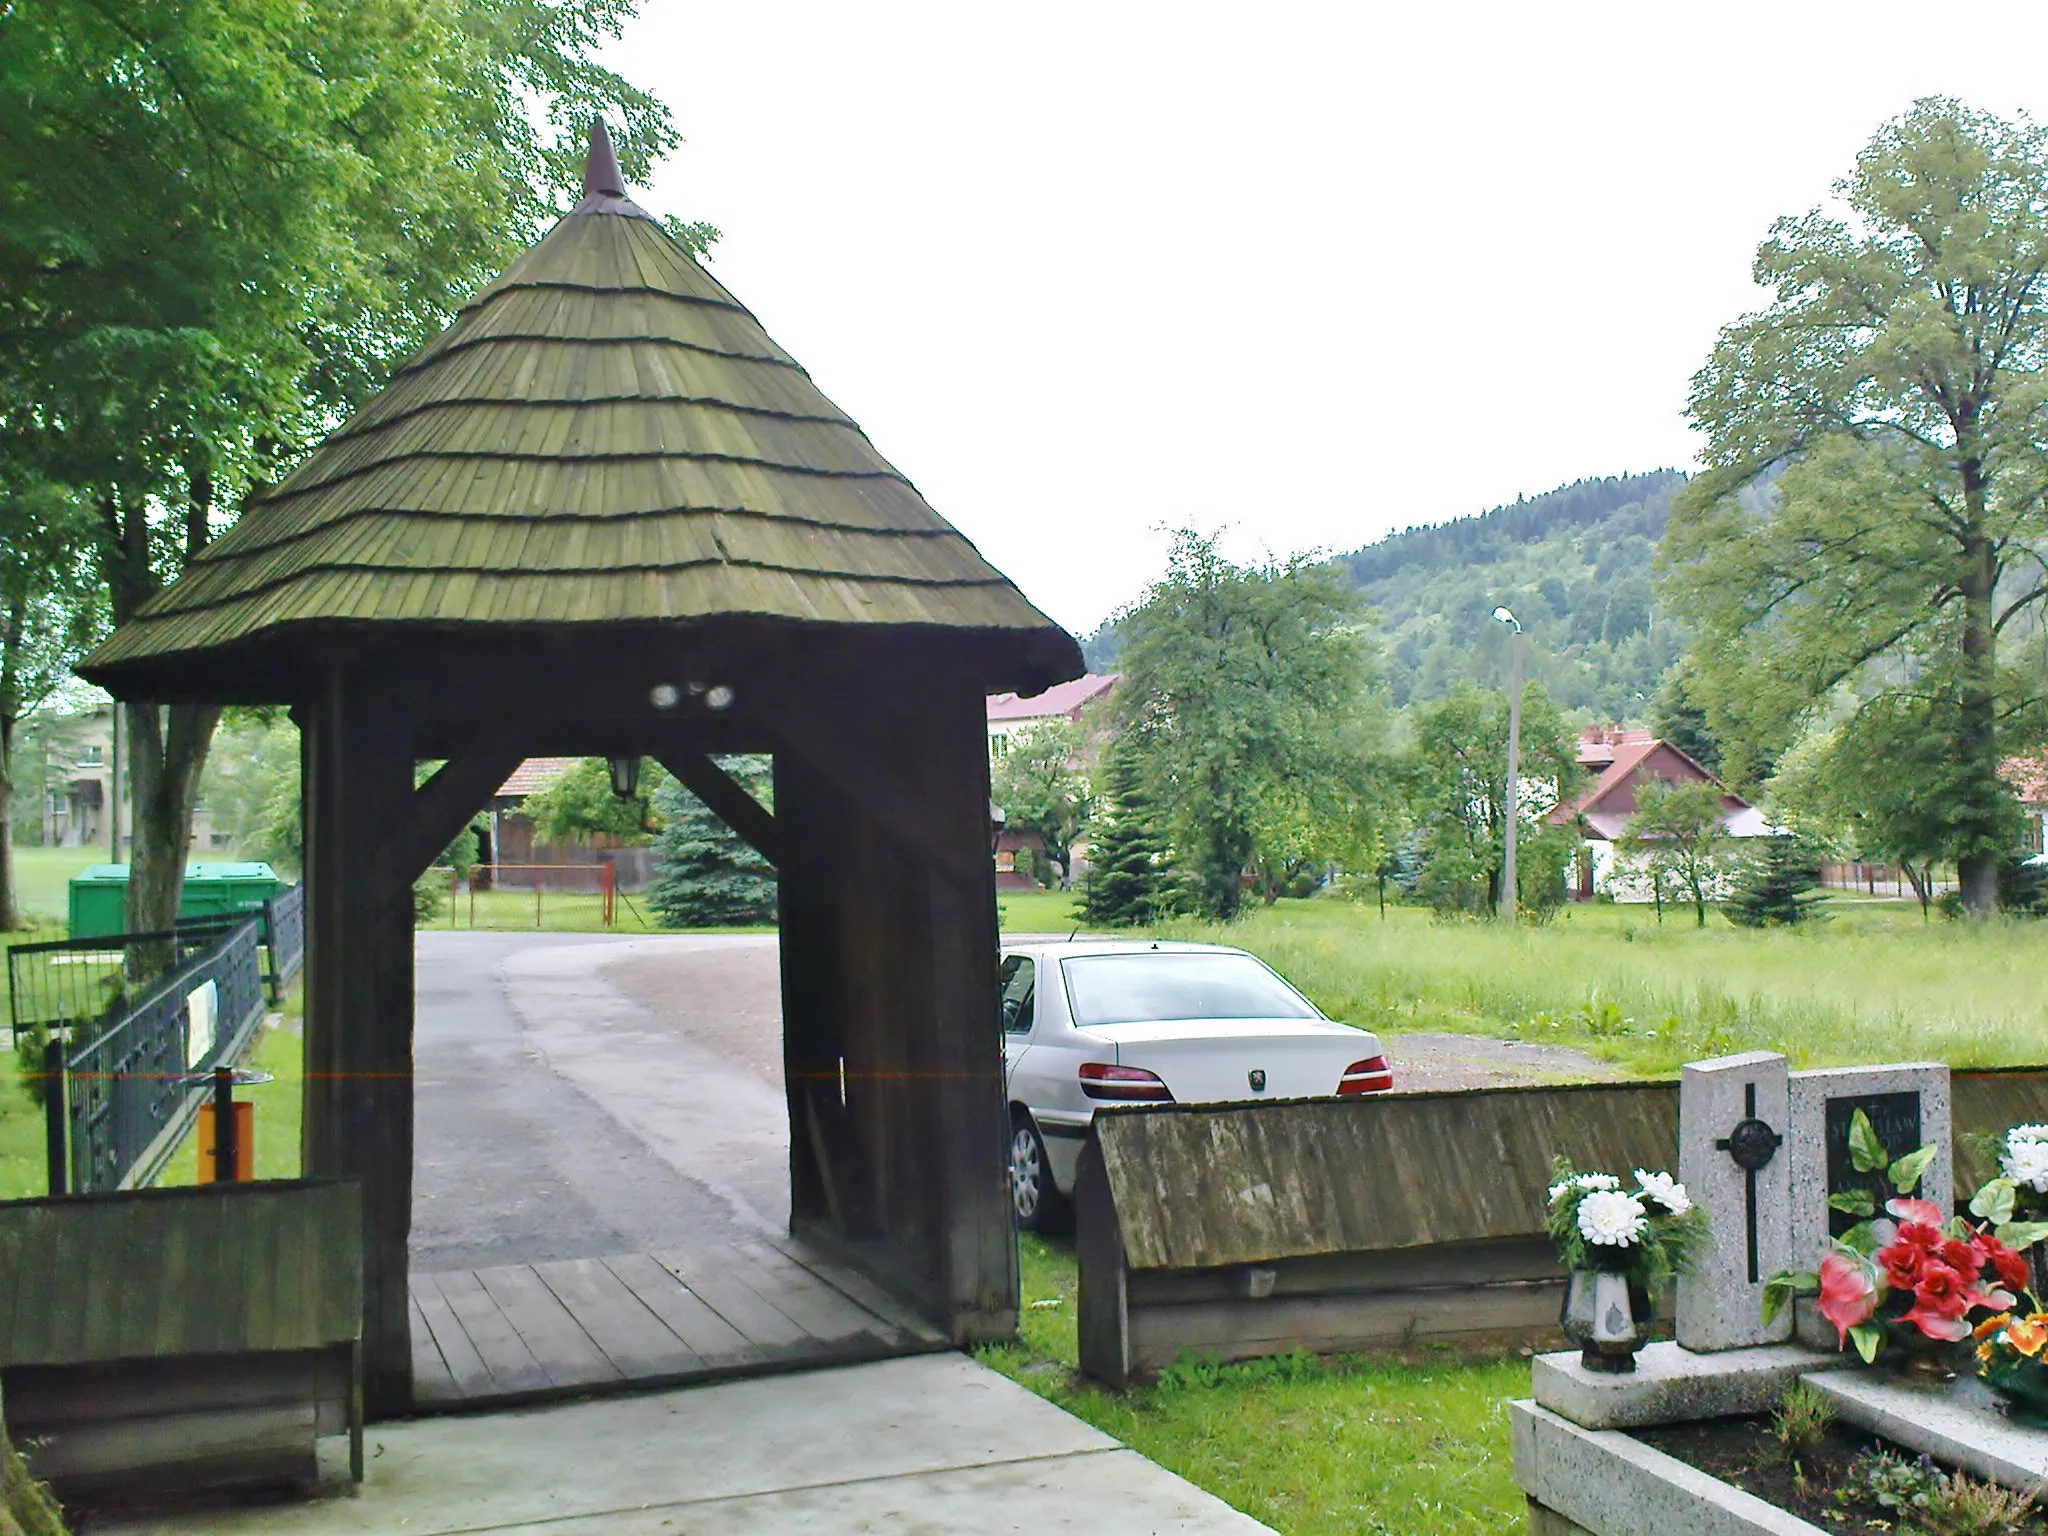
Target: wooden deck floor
{"x": 526, "y": 1332}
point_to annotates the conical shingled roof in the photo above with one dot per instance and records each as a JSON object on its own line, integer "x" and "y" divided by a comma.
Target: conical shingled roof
{"x": 604, "y": 436}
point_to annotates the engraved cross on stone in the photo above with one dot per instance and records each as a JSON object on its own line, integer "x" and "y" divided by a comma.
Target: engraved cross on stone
{"x": 1752, "y": 1144}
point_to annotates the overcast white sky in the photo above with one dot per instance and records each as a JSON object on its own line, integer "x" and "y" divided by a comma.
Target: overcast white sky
{"x": 1311, "y": 271}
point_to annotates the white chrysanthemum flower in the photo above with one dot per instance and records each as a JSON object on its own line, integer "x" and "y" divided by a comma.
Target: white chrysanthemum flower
{"x": 2021, "y": 1133}
{"x": 1580, "y": 1181}
{"x": 1611, "y": 1219}
{"x": 2026, "y": 1162}
{"x": 1665, "y": 1190}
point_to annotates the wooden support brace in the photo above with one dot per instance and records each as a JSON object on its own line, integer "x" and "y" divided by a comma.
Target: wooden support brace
{"x": 728, "y": 800}
{"x": 842, "y": 758}
{"x": 439, "y": 809}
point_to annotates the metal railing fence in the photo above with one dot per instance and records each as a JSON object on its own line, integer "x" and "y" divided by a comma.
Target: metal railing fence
{"x": 284, "y": 937}
{"x": 69, "y": 984}
{"x": 130, "y": 1092}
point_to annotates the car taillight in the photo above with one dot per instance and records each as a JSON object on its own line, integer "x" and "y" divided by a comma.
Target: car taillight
{"x": 1371, "y": 1075}
{"x": 1127, "y": 1085}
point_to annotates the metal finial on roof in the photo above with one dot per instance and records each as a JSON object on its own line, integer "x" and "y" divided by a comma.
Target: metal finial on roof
{"x": 601, "y": 170}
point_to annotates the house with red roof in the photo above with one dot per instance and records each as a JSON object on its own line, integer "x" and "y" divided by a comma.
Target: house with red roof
{"x": 1010, "y": 713}
{"x": 1621, "y": 763}
{"x": 2027, "y": 777}
{"x": 515, "y": 858}
{"x": 1020, "y": 852}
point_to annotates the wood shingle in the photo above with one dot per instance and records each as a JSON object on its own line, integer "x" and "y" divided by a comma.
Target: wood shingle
{"x": 604, "y": 436}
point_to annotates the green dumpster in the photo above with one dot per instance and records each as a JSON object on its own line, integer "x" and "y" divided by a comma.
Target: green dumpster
{"x": 99, "y": 896}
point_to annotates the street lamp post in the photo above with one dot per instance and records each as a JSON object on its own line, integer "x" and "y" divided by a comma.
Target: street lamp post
{"x": 1507, "y": 874}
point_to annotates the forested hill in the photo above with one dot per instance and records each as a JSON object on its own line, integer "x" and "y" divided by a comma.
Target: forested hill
{"x": 1575, "y": 566}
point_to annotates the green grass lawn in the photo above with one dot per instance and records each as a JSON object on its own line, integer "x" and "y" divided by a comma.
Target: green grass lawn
{"x": 1038, "y": 911}
{"x": 555, "y": 912}
{"x": 42, "y": 878}
{"x": 1311, "y": 1447}
{"x": 1872, "y": 983}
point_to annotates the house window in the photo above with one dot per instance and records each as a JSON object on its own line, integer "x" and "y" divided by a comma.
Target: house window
{"x": 91, "y": 756}
{"x": 1006, "y": 861}
{"x": 220, "y": 840}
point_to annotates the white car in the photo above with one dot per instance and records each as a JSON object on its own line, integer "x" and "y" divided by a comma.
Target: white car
{"x": 1094, "y": 1022}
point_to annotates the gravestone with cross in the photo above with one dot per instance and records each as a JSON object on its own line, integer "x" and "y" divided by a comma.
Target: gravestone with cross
{"x": 1907, "y": 1104}
{"x": 1732, "y": 1117}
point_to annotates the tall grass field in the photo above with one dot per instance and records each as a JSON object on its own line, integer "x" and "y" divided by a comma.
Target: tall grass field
{"x": 1870, "y": 982}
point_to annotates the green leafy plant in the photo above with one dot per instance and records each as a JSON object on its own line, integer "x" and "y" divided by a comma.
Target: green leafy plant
{"x": 1959, "y": 1505}
{"x": 1891, "y": 1482}
{"x": 1800, "y": 1421}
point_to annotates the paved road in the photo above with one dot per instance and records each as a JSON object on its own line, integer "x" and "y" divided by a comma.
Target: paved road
{"x": 582, "y": 1095}
{"x": 558, "y": 1119}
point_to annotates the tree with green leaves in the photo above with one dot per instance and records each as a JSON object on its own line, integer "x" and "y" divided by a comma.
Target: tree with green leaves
{"x": 1131, "y": 880}
{"x": 1455, "y": 771}
{"x": 1039, "y": 777}
{"x": 50, "y": 608}
{"x": 1249, "y": 712}
{"x": 1679, "y": 831}
{"x": 705, "y": 874}
{"x": 1899, "y": 380}
{"x": 580, "y": 805}
{"x": 222, "y": 224}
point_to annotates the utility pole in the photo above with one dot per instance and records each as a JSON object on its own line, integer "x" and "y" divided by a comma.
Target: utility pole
{"x": 1507, "y": 874}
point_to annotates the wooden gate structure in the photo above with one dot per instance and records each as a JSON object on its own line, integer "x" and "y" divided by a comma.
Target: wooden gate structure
{"x": 605, "y": 515}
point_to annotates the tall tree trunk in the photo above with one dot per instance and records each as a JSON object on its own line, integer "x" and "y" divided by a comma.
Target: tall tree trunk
{"x": 167, "y": 744}
{"x": 10, "y": 910}
{"x": 1977, "y": 868}
{"x": 167, "y": 748}
{"x": 11, "y": 704}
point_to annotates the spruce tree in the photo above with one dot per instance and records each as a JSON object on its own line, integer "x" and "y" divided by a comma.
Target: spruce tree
{"x": 1775, "y": 885}
{"x": 705, "y": 874}
{"x": 1130, "y": 881}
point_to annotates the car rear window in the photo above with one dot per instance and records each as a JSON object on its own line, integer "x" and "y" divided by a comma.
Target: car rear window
{"x": 1150, "y": 988}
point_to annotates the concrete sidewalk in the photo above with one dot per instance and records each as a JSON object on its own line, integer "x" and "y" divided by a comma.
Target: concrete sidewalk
{"x": 930, "y": 1446}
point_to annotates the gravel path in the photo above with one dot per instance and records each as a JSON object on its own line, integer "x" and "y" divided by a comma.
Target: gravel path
{"x": 1478, "y": 1061}
{"x": 729, "y": 1001}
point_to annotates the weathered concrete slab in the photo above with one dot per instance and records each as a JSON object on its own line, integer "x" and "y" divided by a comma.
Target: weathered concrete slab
{"x": 1957, "y": 1422}
{"x": 1670, "y": 1385}
{"x": 936, "y": 1443}
{"x": 1612, "y": 1484}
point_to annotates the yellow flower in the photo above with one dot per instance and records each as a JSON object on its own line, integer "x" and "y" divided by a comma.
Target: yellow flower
{"x": 1991, "y": 1325}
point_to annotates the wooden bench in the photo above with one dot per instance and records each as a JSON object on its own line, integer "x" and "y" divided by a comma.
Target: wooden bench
{"x": 173, "y": 1340}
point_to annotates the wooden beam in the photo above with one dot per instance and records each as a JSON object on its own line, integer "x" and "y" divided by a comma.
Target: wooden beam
{"x": 836, "y": 744}
{"x": 357, "y": 769}
{"x": 440, "y": 807}
{"x": 727, "y": 799}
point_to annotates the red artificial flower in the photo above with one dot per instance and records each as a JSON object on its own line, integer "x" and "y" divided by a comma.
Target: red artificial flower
{"x": 1919, "y": 1212}
{"x": 1964, "y": 1258}
{"x": 1940, "y": 1289}
{"x": 1848, "y": 1294}
{"x": 2009, "y": 1266}
{"x": 1937, "y": 1325}
{"x": 1901, "y": 1265}
{"x": 1919, "y": 1234}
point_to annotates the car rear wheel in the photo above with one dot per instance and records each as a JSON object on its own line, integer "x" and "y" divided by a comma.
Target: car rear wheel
{"x": 1039, "y": 1205}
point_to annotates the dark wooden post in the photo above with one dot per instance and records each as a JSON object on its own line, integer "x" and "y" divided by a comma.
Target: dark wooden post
{"x": 972, "y": 1121}
{"x": 357, "y": 763}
